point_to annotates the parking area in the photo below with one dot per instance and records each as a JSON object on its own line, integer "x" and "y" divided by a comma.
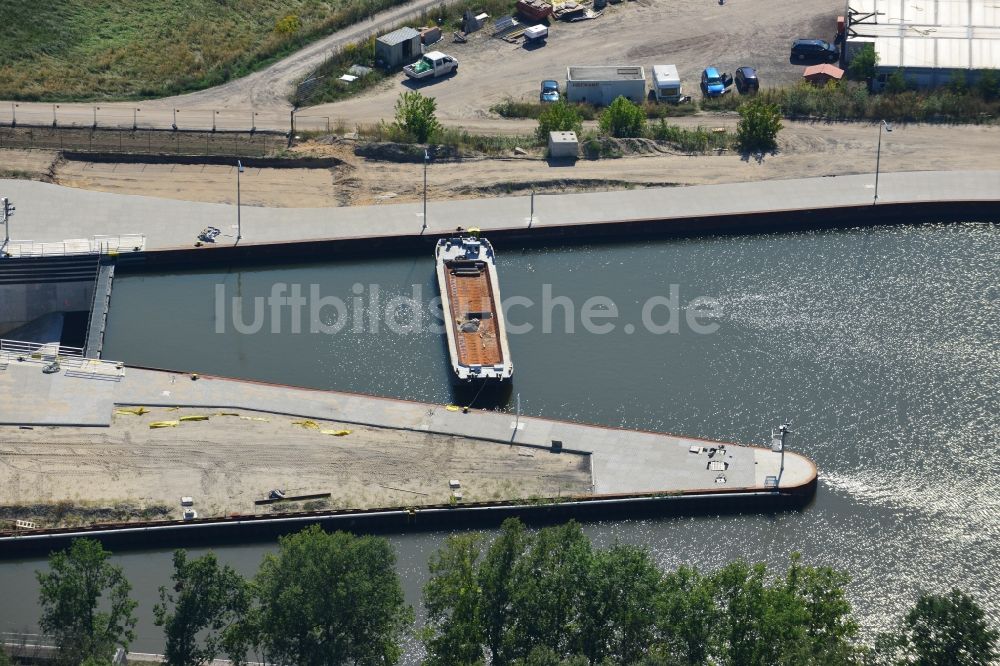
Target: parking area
{"x": 692, "y": 34}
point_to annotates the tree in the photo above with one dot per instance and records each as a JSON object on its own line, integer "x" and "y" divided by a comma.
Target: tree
{"x": 558, "y": 117}
{"x": 497, "y": 589}
{"x": 548, "y": 589}
{"x": 328, "y": 599}
{"x": 206, "y": 601}
{"x": 415, "y": 116}
{"x": 687, "y": 615}
{"x": 71, "y": 592}
{"x": 452, "y": 597}
{"x": 829, "y": 622}
{"x": 948, "y": 629}
{"x": 618, "y": 622}
{"x": 863, "y": 65}
{"x": 759, "y": 125}
{"x": 623, "y": 119}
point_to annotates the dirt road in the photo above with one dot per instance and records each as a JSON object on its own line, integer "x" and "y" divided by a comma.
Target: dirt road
{"x": 689, "y": 33}
{"x": 807, "y": 149}
{"x": 227, "y": 462}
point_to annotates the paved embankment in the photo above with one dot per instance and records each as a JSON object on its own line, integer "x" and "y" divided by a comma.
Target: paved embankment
{"x": 53, "y": 213}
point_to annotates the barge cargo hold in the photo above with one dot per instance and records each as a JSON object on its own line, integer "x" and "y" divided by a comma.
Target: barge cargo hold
{"x": 470, "y": 300}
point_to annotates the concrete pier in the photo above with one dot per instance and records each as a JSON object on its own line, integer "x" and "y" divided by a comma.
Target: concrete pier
{"x": 622, "y": 464}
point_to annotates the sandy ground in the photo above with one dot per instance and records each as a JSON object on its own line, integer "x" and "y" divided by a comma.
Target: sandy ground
{"x": 227, "y": 462}
{"x": 692, "y": 34}
{"x": 806, "y": 149}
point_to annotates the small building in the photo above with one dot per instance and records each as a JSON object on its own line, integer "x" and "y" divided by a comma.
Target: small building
{"x": 819, "y": 75}
{"x": 929, "y": 41}
{"x": 397, "y": 48}
{"x": 601, "y": 85}
{"x": 563, "y": 144}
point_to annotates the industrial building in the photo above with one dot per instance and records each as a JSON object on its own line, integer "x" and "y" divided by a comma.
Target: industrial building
{"x": 399, "y": 47}
{"x": 929, "y": 40}
{"x": 601, "y": 85}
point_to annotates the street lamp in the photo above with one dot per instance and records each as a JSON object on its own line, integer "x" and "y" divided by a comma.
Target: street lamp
{"x": 427, "y": 159}
{"x": 239, "y": 228}
{"x": 13, "y": 114}
{"x": 96, "y": 109}
{"x": 214, "y": 115}
{"x": 54, "y": 107}
{"x": 135, "y": 119}
{"x": 878, "y": 155}
{"x": 6, "y": 211}
{"x": 174, "y": 126}
{"x": 253, "y": 122}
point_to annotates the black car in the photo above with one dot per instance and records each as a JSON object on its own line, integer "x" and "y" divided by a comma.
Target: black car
{"x": 814, "y": 49}
{"x": 746, "y": 80}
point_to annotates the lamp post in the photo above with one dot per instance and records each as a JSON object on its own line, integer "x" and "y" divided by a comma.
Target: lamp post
{"x": 878, "y": 155}
{"x": 6, "y": 211}
{"x": 54, "y": 120}
{"x": 253, "y": 122}
{"x": 427, "y": 159}
{"x": 214, "y": 115}
{"x": 174, "y": 125}
{"x": 135, "y": 119}
{"x": 239, "y": 228}
{"x": 13, "y": 114}
{"x": 96, "y": 109}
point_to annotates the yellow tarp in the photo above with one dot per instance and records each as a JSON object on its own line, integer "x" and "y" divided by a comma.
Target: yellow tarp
{"x": 164, "y": 424}
{"x": 226, "y": 414}
{"x": 194, "y": 417}
{"x": 453, "y": 408}
{"x": 336, "y": 433}
{"x": 309, "y": 425}
{"x": 135, "y": 411}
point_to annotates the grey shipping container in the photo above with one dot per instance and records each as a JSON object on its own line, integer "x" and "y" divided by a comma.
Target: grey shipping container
{"x": 601, "y": 85}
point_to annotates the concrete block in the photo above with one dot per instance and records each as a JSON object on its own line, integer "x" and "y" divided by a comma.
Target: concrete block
{"x": 563, "y": 144}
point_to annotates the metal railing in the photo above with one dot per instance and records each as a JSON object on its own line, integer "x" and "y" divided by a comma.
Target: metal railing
{"x": 70, "y": 359}
{"x": 120, "y": 244}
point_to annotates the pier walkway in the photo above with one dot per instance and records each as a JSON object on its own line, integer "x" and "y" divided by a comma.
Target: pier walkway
{"x": 51, "y": 213}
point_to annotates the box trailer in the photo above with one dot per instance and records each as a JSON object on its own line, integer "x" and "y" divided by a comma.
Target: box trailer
{"x": 601, "y": 85}
{"x": 666, "y": 84}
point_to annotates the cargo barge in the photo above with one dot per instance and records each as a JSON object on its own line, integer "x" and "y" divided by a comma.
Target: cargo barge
{"x": 470, "y": 300}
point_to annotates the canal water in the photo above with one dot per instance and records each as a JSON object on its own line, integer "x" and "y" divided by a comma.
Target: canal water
{"x": 881, "y": 344}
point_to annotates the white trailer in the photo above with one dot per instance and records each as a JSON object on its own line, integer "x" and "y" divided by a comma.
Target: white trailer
{"x": 601, "y": 85}
{"x": 667, "y": 84}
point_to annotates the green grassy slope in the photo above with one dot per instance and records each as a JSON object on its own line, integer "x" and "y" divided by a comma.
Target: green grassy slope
{"x": 120, "y": 49}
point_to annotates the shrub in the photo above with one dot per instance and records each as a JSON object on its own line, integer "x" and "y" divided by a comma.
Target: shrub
{"x": 558, "y": 117}
{"x": 289, "y": 25}
{"x": 759, "y": 125}
{"x": 896, "y": 82}
{"x": 958, "y": 83}
{"x": 623, "y": 119}
{"x": 862, "y": 67}
{"x": 415, "y": 116}
{"x": 988, "y": 85}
